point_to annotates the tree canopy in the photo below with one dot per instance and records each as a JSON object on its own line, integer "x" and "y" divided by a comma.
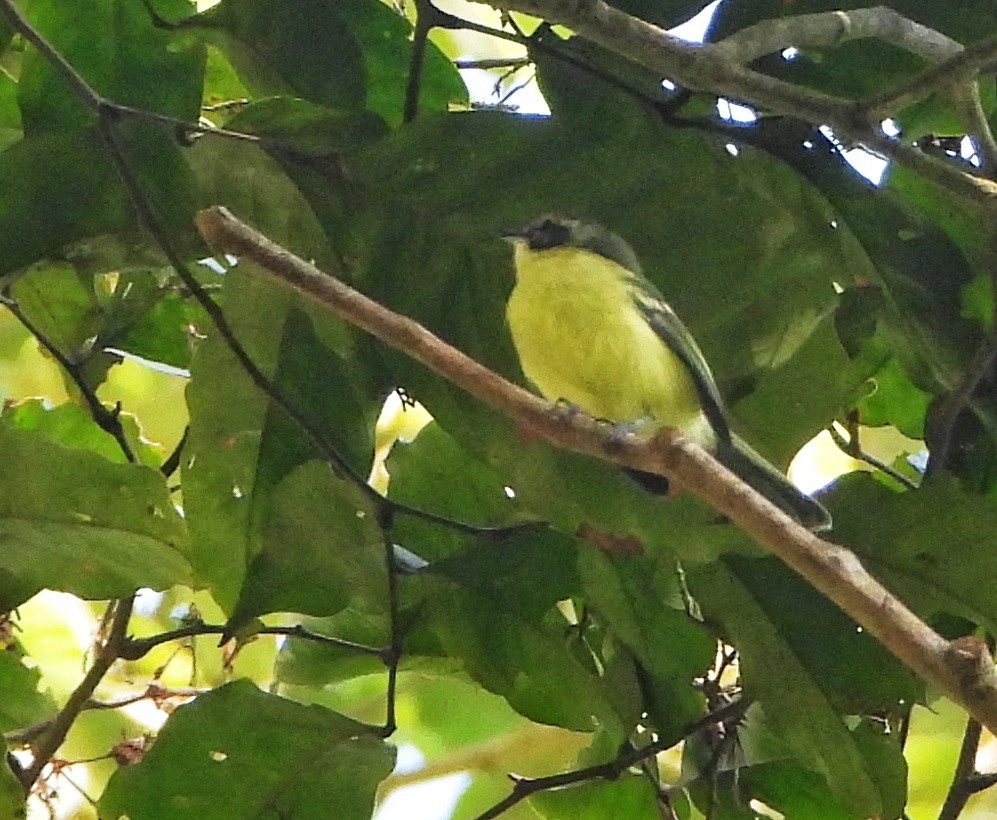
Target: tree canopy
{"x": 297, "y": 578}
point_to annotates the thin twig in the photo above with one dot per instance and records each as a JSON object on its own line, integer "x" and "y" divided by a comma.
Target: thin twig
{"x": 417, "y": 58}
{"x": 152, "y": 692}
{"x": 108, "y": 653}
{"x": 134, "y": 648}
{"x": 393, "y": 656}
{"x": 523, "y": 787}
{"x": 108, "y": 420}
{"x": 172, "y": 462}
{"x": 851, "y": 448}
{"x": 512, "y": 63}
{"x": 965, "y": 768}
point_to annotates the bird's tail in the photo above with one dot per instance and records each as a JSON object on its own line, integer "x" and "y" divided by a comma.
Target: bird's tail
{"x": 738, "y": 457}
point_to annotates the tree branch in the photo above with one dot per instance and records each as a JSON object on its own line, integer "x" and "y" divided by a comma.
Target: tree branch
{"x": 964, "y": 672}
{"x": 523, "y": 787}
{"x": 699, "y": 69}
{"x": 960, "y": 790}
{"x": 132, "y": 649}
{"x": 962, "y": 67}
{"x": 108, "y": 653}
{"x": 832, "y": 28}
{"x": 107, "y": 420}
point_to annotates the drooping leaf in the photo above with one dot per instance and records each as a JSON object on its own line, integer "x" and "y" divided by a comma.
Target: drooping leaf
{"x": 321, "y": 550}
{"x": 249, "y": 746}
{"x": 71, "y": 520}
{"x": 241, "y": 449}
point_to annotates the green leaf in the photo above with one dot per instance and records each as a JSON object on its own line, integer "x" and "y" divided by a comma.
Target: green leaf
{"x": 632, "y": 596}
{"x": 349, "y": 54}
{"x": 237, "y": 752}
{"x": 44, "y": 215}
{"x": 629, "y": 796}
{"x": 921, "y": 269}
{"x": 12, "y": 800}
{"x": 73, "y": 426}
{"x": 135, "y": 64}
{"x": 434, "y": 473}
{"x": 321, "y": 550}
{"x": 23, "y": 705}
{"x": 10, "y": 115}
{"x": 63, "y": 305}
{"x": 73, "y": 521}
{"x": 313, "y": 130}
{"x": 528, "y": 665}
{"x": 915, "y": 536}
{"x": 240, "y": 445}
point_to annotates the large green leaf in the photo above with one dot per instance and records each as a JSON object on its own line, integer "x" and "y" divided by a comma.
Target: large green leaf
{"x": 348, "y": 54}
{"x": 671, "y": 648}
{"x": 73, "y": 426}
{"x": 321, "y": 550}
{"x": 908, "y": 540}
{"x": 71, "y": 520}
{"x": 237, "y": 752}
{"x": 241, "y": 447}
{"x": 136, "y": 63}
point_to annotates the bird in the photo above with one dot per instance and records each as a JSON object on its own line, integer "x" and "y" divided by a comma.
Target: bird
{"x": 592, "y": 333}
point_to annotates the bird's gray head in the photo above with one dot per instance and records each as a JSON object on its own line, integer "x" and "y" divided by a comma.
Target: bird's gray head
{"x": 555, "y": 231}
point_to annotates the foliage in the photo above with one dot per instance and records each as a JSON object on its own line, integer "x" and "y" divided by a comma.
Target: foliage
{"x": 559, "y": 600}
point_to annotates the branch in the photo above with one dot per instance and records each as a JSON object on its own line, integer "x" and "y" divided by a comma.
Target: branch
{"x": 962, "y": 67}
{"x": 699, "y": 69}
{"x": 132, "y": 649}
{"x": 107, "y": 420}
{"x": 108, "y": 653}
{"x": 832, "y": 28}
{"x": 525, "y": 786}
{"x": 417, "y": 58}
{"x": 392, "y": 654}
{"x": 962, "y": 671}
{"x": 851, "y": 447}
{"x": 960, "y": 791}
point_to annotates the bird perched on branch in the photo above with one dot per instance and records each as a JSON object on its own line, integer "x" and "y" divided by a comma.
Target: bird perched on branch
{"x": 590, "y": 330}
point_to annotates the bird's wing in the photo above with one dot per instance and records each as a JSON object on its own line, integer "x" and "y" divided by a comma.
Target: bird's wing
{"x": 669, "y": 327}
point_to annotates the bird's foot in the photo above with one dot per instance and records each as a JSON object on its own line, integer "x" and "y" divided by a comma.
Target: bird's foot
{"x": 623, "y": 429}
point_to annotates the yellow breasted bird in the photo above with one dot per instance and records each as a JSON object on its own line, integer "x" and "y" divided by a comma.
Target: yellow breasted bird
{"x": 592, "y": 331}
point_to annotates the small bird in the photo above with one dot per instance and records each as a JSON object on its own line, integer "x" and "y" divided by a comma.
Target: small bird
{"x": 591, "y": 331}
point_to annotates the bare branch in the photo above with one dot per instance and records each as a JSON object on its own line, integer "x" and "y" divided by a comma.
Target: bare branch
{"x": 696, "y": 68}
{"x": 108, "y": 653}
{"x": 833, "y": 28}
{"x": 962, "y": 67}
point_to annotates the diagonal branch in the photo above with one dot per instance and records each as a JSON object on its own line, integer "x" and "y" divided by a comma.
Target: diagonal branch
{"x": 699, "y": 69}
{"x": 523, "y": 787}
{"x": 832, "y": 28}
{"x": 964, "y": 670}
{"x": 109, "y": 652}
